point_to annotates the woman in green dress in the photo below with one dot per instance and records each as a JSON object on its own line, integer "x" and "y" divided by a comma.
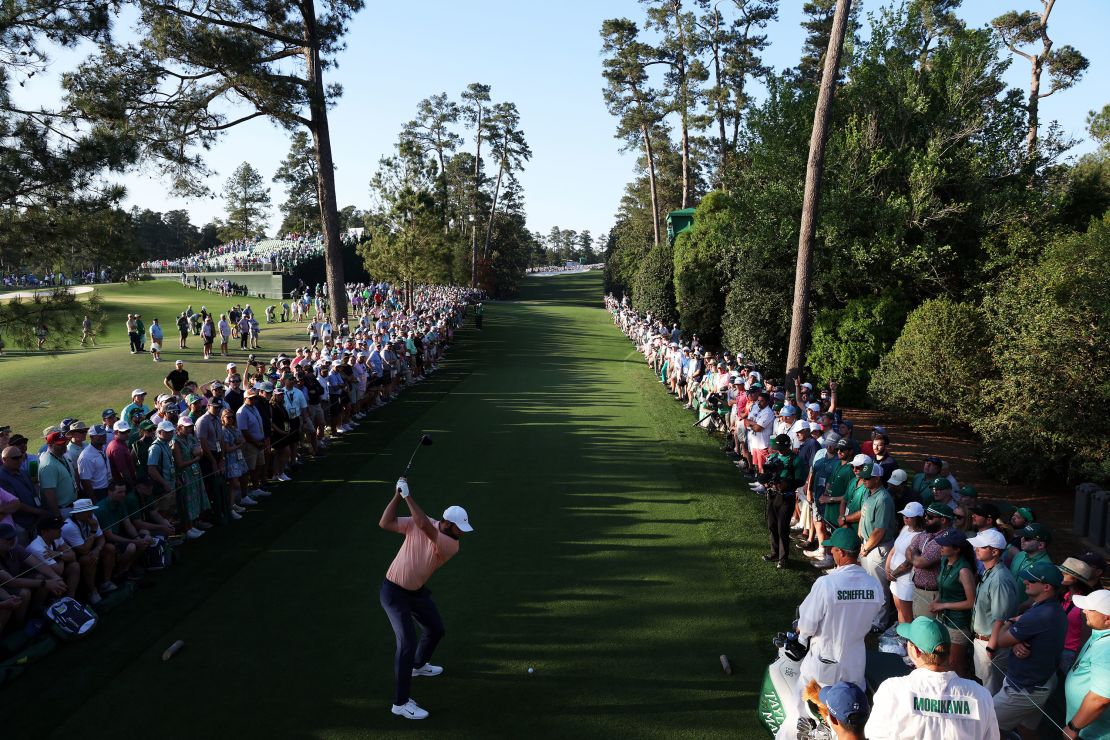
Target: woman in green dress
{"x": 191, "y": 498}
{"x": 956, "y": 594}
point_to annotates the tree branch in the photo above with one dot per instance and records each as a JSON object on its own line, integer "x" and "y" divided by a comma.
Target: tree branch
{"x": 173, "y": 9}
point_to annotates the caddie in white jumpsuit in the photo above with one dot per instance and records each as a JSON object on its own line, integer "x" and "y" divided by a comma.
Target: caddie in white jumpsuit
{"x": 835, "y": 618}
{"x": 931, "y": 702}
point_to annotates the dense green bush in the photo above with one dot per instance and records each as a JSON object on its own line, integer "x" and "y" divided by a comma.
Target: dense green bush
{"x": 653, "y": 289}
{"x": 1047, "y": 408}
{"x": 699, "y": 266}
{"x": 757, "y": 322}
{"x": 937, "y": 364}
{"x": 847, "y": 343}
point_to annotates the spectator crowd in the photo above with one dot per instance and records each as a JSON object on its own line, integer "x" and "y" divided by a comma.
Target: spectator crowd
{"x": 94, "y": 506}
{"x": 245, "y": 255}
{"x": 998, "y": 626}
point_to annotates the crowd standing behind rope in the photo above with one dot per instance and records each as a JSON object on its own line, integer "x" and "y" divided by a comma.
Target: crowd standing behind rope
{"x": 978, "y": 605}
{"x": 99, "y": 506}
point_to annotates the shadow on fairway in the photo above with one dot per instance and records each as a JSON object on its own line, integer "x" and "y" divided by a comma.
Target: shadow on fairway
{"x": 613, "y": 553}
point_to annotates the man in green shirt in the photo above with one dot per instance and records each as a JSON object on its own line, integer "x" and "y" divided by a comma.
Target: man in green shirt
{"x": 923, "y": 480}
{"x": 1034, "y": 548}
{"x": 1087, "y": 687}
{"x": 842, "y": 477}
{"x": 996, "y": 600}
{"x": 117, "y": 516}
{"x": 56, "y": 478}
{"x": 853, "y": 499}
{"x": 877, "y": 532}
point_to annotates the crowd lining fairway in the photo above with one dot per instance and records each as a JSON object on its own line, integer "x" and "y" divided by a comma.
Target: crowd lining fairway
{"x": 614, "y": 552}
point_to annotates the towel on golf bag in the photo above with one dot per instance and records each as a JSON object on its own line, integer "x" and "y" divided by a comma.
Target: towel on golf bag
{"x": 70, "y": 619}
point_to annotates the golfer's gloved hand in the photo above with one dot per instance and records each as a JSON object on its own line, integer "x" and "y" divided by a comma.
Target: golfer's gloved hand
{"x": 403, "y": 487}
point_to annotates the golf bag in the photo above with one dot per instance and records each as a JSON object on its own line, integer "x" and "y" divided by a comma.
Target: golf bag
{"x": 713, "y": 414}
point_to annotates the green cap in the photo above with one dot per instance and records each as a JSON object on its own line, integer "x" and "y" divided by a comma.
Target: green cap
{"x": 968, "y": 492}
{"x": 146, "y": 424}
{"x": 1025, "y": 513}
{"x": 941, "y": 483}
{"x": 845, "y": 538}
{"x": 1043, "y": 572}
{"x": 192, "y": 398}
{"x": 943, "y": 510}
{"x": 871, "y": 470}
{"x": 1034, "y": 531}
{"x": 926, "y": 634}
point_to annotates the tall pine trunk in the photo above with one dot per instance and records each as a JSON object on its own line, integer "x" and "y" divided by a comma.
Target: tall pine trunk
{"x": 1034, "y": 101}
{"x": 811, "y": 201}
{"x": 493, "y": 208}
{"x": 651, "y": 181}
{"x": 684, "y": 101}
{"x": 477, "y": 188}
{"x": 325, "y": 169}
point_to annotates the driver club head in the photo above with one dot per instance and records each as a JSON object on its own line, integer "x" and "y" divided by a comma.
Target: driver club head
{"x": 426, "y": 440}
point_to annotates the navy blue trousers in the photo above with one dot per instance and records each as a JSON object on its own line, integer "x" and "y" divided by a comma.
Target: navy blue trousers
{"x": 404, "y": 608}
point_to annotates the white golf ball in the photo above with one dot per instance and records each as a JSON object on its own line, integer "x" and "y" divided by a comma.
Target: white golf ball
{"x": 531, "y": 669}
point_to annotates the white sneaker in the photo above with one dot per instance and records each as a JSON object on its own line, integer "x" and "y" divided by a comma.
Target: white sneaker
{"x": 194, "y": 533}
{"x": 759, "y": 488}
{"x": 237, "y": 508}
{"x": 257, "y": 492}
{"x": 107, "y": 587}
{"x": 284, "y": 478}
{"x": 248, "y": 501}
{"x": 824, "y": 563}
{"x": 815, "y": 554}
{"x": 236, "y": 515}
{"x": 427, "y": 670}
{"x": 410, "y": 710}
{"x": 95, "y": 598}
{"x": 797, "y": 526}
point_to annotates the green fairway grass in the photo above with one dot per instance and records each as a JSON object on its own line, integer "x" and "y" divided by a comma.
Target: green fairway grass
{"x": 38, "y": 389}
{"x": 616, "y": 551}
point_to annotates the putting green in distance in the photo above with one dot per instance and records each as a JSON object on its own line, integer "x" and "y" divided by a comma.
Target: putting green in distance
{"x": 615, "y": 551}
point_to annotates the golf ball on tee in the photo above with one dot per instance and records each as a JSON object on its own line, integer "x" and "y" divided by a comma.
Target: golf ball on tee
{"x": 531, "y": 669}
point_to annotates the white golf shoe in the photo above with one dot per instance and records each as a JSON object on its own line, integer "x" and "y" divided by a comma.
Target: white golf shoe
{"x": 427, "y": 670}
{"x": 410, "y": 710}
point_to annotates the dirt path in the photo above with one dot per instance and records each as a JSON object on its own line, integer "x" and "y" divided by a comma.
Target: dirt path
{"x": 912, "y": 440}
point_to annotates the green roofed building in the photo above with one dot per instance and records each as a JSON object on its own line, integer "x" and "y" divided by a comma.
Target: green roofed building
{"x": 679, "y": 221}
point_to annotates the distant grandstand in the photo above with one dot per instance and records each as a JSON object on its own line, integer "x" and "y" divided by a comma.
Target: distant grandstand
{"x": 271, "y": 268}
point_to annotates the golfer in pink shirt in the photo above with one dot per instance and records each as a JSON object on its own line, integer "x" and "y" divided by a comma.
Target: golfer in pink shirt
{"x": 428, "y": 545}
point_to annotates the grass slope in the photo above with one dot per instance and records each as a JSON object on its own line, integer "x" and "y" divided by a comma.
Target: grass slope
{"x": 38, "y": 389}
{"x": 614, "y": 552}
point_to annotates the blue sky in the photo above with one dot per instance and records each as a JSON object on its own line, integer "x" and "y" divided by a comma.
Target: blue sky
{"x": 544, "y": 56}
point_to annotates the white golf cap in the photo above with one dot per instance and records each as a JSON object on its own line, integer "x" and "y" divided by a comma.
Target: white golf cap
{"x": 813, "y": 406}
{"x": 121, "y": 426}
{"x": 167, "y": 426}
{"x": 988, "y": 538}
{"x": 231, "y": 365}
{"x": 860, "y": 459}
{"x": 457, "y": 516}
{"x": 138, "y": 392}
{"x": 897, "y": 478}
{"x": 1096, "y": 601}
{"x": 913, "y": 508}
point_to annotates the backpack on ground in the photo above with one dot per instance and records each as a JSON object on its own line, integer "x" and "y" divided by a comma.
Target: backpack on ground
{"x": 159, "y": 555}
{"x": 70, "y": 619}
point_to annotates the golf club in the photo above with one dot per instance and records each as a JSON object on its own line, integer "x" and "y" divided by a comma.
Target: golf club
{"x": 425, "y": 441}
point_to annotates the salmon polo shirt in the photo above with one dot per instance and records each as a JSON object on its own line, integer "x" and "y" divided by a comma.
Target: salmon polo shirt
{"x": 419, "y": 556}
